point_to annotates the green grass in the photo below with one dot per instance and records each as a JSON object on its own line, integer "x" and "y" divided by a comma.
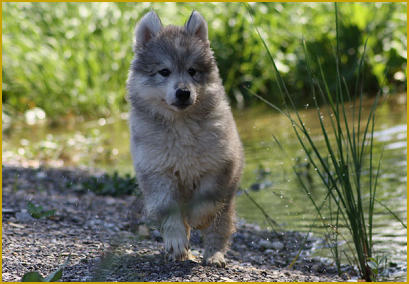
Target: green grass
{"x": 111, "y": 184}
{"x": 346, "y": 168}
{"x": 72, "y": 59}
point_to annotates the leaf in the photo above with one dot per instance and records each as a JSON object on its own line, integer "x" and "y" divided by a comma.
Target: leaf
{"x": 32, "y": 277}
{"x": 372, "y": 265}
{"x": 38, "y": 211}
{"x": 57, "y": 275}
{"x": 53, "y": 277}
{"x": 35, "y": 211}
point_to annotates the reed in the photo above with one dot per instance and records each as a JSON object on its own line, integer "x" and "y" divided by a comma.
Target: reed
{"x": 346, "y": 167}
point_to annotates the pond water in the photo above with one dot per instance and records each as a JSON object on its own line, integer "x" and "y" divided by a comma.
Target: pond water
{"x": 275, "y": 187}
{"x": 268, "y": 174}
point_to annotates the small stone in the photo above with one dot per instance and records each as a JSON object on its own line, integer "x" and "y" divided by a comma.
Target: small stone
{"x": 143, "y": 231}
{"x": 75, "y": 219}
{"x": 8, "y": 211}
{"x": 156, "y": 235}
{"x": 41, "y": 175}
{"x": 110, "y": 200}
{"x": 24, "y": 217}
{"x": 269, "y": 251}
{"x": 178, "y": 273}
{"x": 277, "y": 245}
{"x": 265, "y": 244}
{"x": 195, "y": 252}
{"x": 110, "y": 226}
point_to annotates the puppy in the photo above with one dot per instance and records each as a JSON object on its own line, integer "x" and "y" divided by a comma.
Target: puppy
{"x": 185, "y": 146}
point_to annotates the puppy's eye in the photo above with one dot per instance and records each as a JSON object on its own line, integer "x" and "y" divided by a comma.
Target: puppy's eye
{"x": 164, "y": 72}
{"x": 191, "y": 72}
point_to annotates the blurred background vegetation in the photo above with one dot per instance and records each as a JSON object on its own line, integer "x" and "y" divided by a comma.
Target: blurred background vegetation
{"x": 72, "y": 59}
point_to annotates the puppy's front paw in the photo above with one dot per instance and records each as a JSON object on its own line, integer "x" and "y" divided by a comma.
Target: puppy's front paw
{"x": 182, "y": 256}
{"x": 176, "y": 247}
{"x": 217, "y": 259}
{"x": 175, "y": 239}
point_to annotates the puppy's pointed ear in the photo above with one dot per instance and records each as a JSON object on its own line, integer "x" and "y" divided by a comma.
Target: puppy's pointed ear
{"x": 147, "y": 28}
{"x": 197, "y": 26}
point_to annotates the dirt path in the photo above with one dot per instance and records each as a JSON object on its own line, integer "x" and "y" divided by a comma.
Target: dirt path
{"x": 107, "y": 240}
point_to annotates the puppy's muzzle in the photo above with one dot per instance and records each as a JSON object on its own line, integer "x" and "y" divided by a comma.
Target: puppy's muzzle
{"x": 183, "y": 98}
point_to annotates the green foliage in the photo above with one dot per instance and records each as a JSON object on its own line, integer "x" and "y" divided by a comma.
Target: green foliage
{"x": 378, "y": 266}
{"x": 32, "y": 277}
{"x": 113, "y": 185}
{"x": 38, "y": 212}
{"x": 73, "y": 58}
{"x": 53, "y": 277}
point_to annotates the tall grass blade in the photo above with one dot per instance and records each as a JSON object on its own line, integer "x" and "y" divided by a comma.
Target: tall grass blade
{"x": 270, "y": 220}
{"x": 392, "y": 213}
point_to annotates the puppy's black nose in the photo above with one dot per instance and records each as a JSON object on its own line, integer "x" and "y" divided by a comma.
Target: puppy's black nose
{"x": 182, "y": 95}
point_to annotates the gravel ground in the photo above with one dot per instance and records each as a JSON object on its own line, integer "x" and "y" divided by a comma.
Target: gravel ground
{"x": 106, "y": 239}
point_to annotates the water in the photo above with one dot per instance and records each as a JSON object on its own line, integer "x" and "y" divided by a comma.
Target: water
{"x": 267, "y": 174}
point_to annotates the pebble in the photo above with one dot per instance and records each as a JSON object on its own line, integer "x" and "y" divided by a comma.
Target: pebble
{"x": 178, "y": 273}
{"x": 41, "y": 175}
{"x": 156, "y": 235}
{"x": 277, "y": 245}
{"x": 265, "y": 244}
{"x": 24, "y": 217}
{"x": 143, "y": 231}
{"x": 8, "y": 211}
{"x": 269, "y": 251}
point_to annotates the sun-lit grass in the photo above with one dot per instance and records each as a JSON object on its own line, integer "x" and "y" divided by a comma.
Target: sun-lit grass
{"x": 72, "y": 59}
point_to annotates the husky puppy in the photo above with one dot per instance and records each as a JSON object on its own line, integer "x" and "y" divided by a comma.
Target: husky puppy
{"x": 185, "y": 147}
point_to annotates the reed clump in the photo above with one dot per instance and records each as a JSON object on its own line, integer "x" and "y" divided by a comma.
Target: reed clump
{"x": 345, "y": 165}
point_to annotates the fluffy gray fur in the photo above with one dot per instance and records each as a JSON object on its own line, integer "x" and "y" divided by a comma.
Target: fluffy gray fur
{"x": 188, "y": 161}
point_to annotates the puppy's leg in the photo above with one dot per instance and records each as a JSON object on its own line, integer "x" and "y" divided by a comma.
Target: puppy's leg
{"x": 160, "y": 197}
{"x": 217, "y": 235}
{"x": 207, "y": 200}
{"x": 212, "y": 211}
{"x": 175, "y": 236}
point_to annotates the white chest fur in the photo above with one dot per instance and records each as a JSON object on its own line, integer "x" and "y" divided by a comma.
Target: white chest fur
{"x": 188, "y": 149}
